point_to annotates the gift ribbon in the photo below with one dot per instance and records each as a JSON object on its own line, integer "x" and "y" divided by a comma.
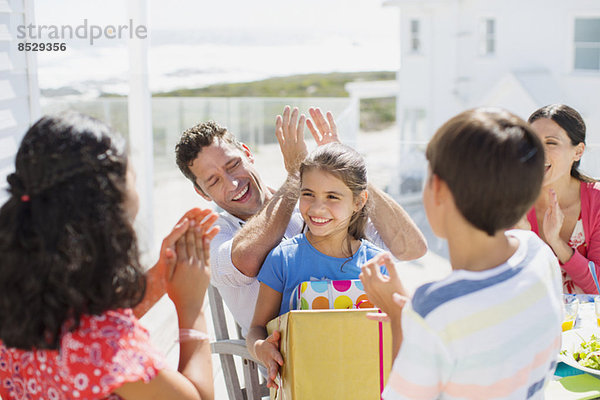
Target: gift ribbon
{"x": 380, "y": 358}
{"x": 357, "y": 305}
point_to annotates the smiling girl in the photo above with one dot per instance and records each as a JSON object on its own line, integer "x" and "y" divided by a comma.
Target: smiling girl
{"x": 333, "y": 199}
{"x": 566, "y": 214}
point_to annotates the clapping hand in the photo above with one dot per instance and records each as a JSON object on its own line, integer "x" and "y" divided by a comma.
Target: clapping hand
{"x": 188, "y": 261}
{"x": 553, "y": 220}
{"x": 167, "y": 256}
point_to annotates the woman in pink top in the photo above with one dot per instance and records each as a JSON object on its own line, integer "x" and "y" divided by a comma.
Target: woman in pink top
{"x": 566, "y": 214}
{"x": 70, "y": 273}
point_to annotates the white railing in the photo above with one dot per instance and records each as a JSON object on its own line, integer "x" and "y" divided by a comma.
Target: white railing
{"x": 396, "y": 165}
{"x": 252, "y": 120}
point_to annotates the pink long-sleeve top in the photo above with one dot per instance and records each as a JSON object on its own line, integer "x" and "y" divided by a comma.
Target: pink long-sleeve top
{"x": 576, "y": 269}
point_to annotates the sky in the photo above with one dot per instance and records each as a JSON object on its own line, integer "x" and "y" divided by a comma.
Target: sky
{"x": 365, "y": 15}
{"x": 222, "y": 41}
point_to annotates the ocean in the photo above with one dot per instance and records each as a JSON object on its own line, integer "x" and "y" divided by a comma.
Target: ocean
{"x": 196, "y": 58}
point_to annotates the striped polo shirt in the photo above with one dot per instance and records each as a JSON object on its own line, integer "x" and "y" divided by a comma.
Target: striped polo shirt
{"x": 492, "y": 334}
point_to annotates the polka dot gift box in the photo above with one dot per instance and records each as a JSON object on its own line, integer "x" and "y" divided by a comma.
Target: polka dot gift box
{"x": 327, "y": 294}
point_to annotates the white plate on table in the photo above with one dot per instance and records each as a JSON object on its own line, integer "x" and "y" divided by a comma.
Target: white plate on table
{"x": 571, "y": 340}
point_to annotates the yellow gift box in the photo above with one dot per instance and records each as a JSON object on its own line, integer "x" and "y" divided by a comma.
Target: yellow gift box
{"x": 332, "y": 354}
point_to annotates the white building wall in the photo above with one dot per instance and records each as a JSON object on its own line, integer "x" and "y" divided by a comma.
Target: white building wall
{"x": 19, "y": 99}
{"x": 532, "y": 36}
{"x": 444, "y": 58}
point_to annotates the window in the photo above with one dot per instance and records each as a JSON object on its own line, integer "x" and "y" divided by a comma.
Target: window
{"x": 488, "y": 37}
{"x": 415, "y": 36}
{"x": 587, "y": 44}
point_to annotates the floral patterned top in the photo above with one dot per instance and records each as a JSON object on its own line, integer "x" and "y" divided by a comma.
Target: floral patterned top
{"x": 577, "y": 243}
{"x": 106, "y": 351}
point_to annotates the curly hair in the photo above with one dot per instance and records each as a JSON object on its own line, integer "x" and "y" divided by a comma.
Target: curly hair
{"x": 194, "y": 139}
{"x": 67, "y": 245}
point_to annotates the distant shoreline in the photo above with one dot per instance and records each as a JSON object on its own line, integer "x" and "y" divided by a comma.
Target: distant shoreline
{"x": 330, "y": 84}
{"x": 305, "y": 85}
{"x": 375, "y": 114}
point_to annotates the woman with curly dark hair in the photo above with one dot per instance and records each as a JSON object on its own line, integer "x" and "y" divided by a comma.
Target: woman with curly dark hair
{"x": 70, "y": 273}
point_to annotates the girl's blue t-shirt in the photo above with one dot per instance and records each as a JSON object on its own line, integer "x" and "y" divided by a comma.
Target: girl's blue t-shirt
{"x": 295, "y": 261}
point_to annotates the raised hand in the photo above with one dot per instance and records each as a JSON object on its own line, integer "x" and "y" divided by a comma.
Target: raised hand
{"x": 385, "y": 292}
{"x": 289, "y": 130}
{"x": 383, "y": 317}
{"x": 324, "y": 131}
{"x": 188, "y": 272}
{"x": 268, "y": 353}
{"x": 167, "y": 258}
{"x": 553, "y": 220}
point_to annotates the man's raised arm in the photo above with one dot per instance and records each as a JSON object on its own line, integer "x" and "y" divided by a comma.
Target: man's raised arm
{"x": 395, "y": 227}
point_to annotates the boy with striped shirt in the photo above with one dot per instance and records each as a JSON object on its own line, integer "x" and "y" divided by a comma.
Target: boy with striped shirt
{"x": 491, "y": 329}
